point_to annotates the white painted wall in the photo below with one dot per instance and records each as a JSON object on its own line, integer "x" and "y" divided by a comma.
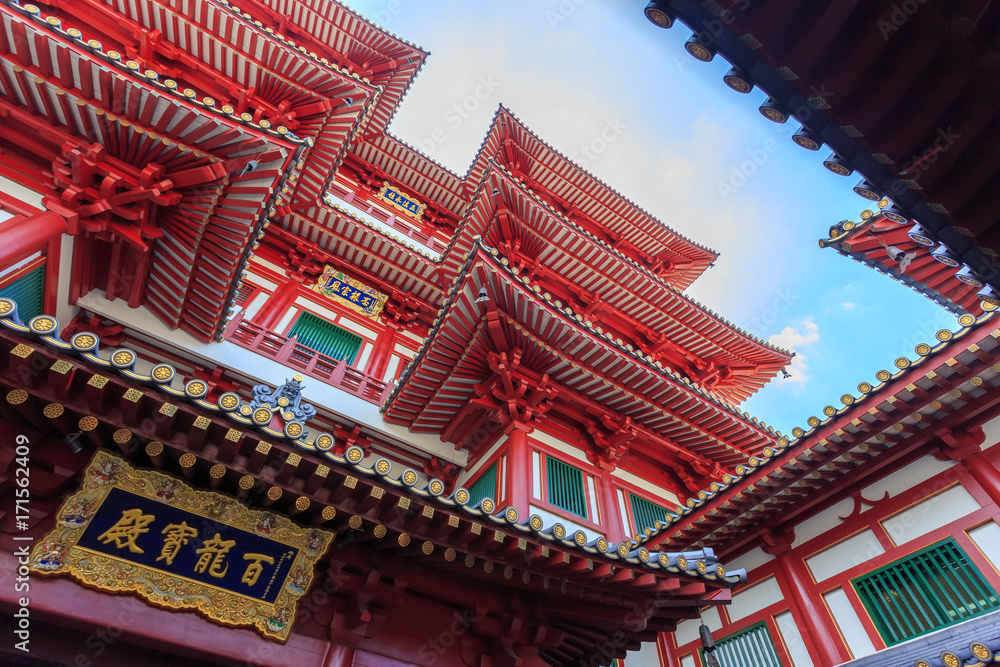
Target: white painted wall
{"x": 987, "y": 538}
{"x": 751, "y": 600}
{"x": 647, "y": 656}
{"x": 930, "y": 514}
{"x": 286, "y": 320}
{"x": 687, "y": 661}
{"x": 749, "y": 561}
{"x": 904, "y": 479}
{"x": 850, "y": 625}
{"x": 992, "y": 429}
{"x": 792, "y": 639}
{"x": 255, "y": 305}
{"x": 64, "y": 311}
{"x": 687, "y": 630}
{"x": 13, "y": 189}
{"x": 622, "y": 509}
{"x": 844, "y": 555}
{"x": 822, "y": 523}
{"x": 536, "y": 475}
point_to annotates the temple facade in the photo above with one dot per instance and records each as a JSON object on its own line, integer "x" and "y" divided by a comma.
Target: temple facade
{"x": 278, "y": 389}
{"x": 872, "y": 538}
{"x": 286, "y": 391}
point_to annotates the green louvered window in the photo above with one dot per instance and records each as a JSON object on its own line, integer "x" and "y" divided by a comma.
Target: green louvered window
{"x": 243, "y": 293}
{"x": 326, "y": 338}
{"x": 752, "y": 647}
{"x": 929, "y": 590}
{"x": 646, "y": 513}
{"x": 565, "y": 485}
{"x": 485, "y": 486}
{"x": 27, "y": 291}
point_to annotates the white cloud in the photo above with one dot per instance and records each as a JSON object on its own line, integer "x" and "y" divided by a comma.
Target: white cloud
{"x": 849, "y": 306}
{"x": 803, "y": 334}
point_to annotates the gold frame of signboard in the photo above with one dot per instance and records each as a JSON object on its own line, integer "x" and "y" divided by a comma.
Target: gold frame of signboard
{"x": 58, "y": 553}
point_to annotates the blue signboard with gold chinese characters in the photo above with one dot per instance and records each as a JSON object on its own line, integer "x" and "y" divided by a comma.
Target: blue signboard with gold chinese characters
{"x": 350, "y": 293}
{"x": 144, "y": 532}
{"x": 401, "y": 202}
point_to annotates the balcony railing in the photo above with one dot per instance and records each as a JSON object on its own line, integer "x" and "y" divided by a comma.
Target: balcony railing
{"x": 288, "y": 352}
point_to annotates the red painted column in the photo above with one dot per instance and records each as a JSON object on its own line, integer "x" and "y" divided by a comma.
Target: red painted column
{"x": 611, "y": 516}
{"x": 666, "y": 644}
{"x": 819, "y": 625}
{"x": 24, "y": 236}
{"x": 519, "y": 470}
{"x": 270, "y": 313}
{"x": 382, "y": 350}
{"x": 985, "y": 473}
{"x": 339, "y": 655}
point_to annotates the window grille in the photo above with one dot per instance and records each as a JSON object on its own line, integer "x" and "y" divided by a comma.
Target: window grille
{"x": 326, "y": 338}
{"x": 929, "y": 590}
{"x": 646, "y": 513}
{"x": 565, "y": 487}
{"x": 752, "y": 647}
{"x": 27, "y": 291}
{"x": 243, "y": 293}
{"x": 485, "y": 486}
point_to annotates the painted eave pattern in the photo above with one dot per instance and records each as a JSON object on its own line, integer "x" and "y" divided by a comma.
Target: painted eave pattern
{"x": 758, "y": 437}
{"x": 700, "y": 564}
{"x": 805, "y": 443}
{"x": 935, "y": 278}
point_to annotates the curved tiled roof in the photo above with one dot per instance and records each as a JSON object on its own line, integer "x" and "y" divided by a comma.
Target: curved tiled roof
{"x": 86, "y": 346}
{"x": 577, "y": 320}
{"x": 926, "y": 267}
{"x": 802, "y": 437}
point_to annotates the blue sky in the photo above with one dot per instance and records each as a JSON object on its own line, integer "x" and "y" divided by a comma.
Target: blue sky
{"x": 601, "y": 84}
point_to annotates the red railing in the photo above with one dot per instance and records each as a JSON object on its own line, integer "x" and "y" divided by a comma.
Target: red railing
{"x": 288, "y": 352}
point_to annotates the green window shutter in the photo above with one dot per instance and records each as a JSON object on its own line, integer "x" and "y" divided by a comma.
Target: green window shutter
{"x": 646, "y": 513}
{"x": 752, "y": 647}
{"x": 28, "y": 292}
{"x": 326, "y": 338}
{"x": 243, "y": 293}
{"x": 485, "y": 486}
{"x": 565, "y": 486}
{"x": 929, "y": 590}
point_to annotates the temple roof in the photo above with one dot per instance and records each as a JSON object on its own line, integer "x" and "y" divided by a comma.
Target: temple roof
{"x": 210, "y": 203}
{"x": 586, "y": 369}
{"x": 366, "y": 499}
{"x": 552, "y": 249}
{"x": 915, "y": 261}
{"x": 904, "y": 98}
{"x": 564, "y": 186}
{"x": 951, "y": 384}
{"x": 339, "y": 36}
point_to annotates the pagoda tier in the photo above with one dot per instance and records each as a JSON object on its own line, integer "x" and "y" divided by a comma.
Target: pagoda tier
{"x": 324, "y": 30}
{"x": 402, "y": 540}
{"x": 166, "y": 192}
{"x": 328, "y": 235}
{"x": 503, "y": 348}
{"x": 904, "y": 94}
{"x": 640, "y": 309}
{"x": 569, "y": 189}
{"x": 935, "y": 398}
{"x": 915, "y": 260}
{"x": 216, "y": 52}
{"x": 631, "y": 304}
